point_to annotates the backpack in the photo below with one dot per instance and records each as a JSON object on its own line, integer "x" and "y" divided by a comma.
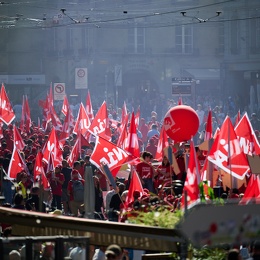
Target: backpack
{"x": 78, "y": 190}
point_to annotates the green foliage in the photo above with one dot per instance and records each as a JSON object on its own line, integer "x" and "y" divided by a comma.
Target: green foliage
{"x": 162, "y": 217}
{"x": 209, "y": 253}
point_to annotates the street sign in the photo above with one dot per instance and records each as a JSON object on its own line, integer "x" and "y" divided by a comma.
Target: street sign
{"x": 81, "y": 78}
{"x": 59, "y": 91}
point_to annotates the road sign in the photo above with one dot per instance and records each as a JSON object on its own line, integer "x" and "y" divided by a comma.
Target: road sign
{"x": 59, "y": 91}
{"x": 81, "y": 78}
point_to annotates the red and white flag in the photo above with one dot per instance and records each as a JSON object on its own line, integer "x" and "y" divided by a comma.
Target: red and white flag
{"x": 6, "y": 111}
{"x": 226, "y": 152}
{"x": 252, "y": 189}
{"x": 208, "y": 128}
{"x": 52, "y": 150}
{"x": 191, "y": 183}
{"x": 75, "y": 153}
{"x": 133, "y": 145}
{"x": 17, "y": 164}
{"x": 65, "y": 106}
{"x": 135, "y": 185}
{"x": 137, "y": 117}
{"x": 18, "y": 140}
{"x": 39, "y": 174}
{"x": 180, "y": 100}
{"x": 27, "y": 114}
{"x": 122, "y": 140}
{"x": 109, "y": 154}
{"x": 124, "y": 113}
{"x": 89, "y": 108}
{"x": 246, "y": 136}
{"x": 162, "y": 144}
{"x": 237, "y": 118}
{"x": 100, "y": 124}
{"x": 82, "y": 122}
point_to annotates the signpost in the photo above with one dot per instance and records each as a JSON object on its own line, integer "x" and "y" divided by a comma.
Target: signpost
{"x": 59, "y": 91}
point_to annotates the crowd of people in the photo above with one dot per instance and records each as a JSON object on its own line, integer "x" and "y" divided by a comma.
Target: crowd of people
{"x": 162, "y": 186}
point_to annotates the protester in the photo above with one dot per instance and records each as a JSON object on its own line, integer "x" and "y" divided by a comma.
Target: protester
{"x": 75, "y": 186}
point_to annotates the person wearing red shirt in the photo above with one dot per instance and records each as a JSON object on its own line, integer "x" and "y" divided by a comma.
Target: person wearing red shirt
{"x": 146, "y": 171}
{"x": 164, "y": 173}
{"x": 151, "y": 147}
{"x": 143, "y": 128}
{"x": 75, "y": 206}
{"x": 56, "y": 179}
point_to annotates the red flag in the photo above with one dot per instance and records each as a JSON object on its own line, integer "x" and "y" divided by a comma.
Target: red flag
{"x": 75, "y": 153}
{"x": 133, "y": 145}
{"x": 1, "y": 129}
{"x": 238, "y": 117}
{"x": 208, "y": 129}
{"x": 109, "y": 154}
{"x": 52, "y": 149}
{"x": 135, "y": 185}
{"x": 100, "y": 124}
{"x": 191, "y": 183}
{"x": 246, "y": 136}
{"x": 137, "y": 117}
{"x": 180, "y": 100}
{"x": 6, "y": 112}
{"x": 16, "y": 165}
{"x": 27, "y": 114}
{"x": 66, "y": 128}
{"x": 18, "y": 141}
{"x": 82, "y": 122}
{"x": 162, "y": 143}
{"x": 122, "y": 140}
{"x": 124, "y": 113}
{"x": 22, "y": 121}
{"x": 65, "y": 106}
{"x": 252, "y": 190}
{"x": 226, "y": 152}
{"x": 89, "y": 108}
{"x": 39, "y": 174}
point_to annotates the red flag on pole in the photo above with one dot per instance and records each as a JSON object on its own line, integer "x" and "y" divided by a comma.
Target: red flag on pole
{"x": 100, "y": 124}
{"x": 6, "y": 111}
{"x": 18, "y": 141}
{"x": 162, "y": 144}
{"x": 226, "y": 152}
{"x": 89, "y": 108}
{"x": 135, "y": 185}
{"x": 133, "y": 145}
{"x": 208, "y": 128}
{"x": 16, "y": 165}
{"x": 39, "y": 174}
{"x": 82, "y": 122}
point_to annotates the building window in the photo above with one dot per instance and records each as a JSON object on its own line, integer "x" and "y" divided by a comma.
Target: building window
{"x": 221, "y": 38}
{"x": 184, "y": 39}
{"x": 70, "y": 35}
{"x": 85, "y": 38}
{"x": 136, "y": 40}
{"x": 255, "y": 35}
{"x": 53, "y": 40}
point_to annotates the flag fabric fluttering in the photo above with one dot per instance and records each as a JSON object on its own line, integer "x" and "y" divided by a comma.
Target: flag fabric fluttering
{"x": 162, "y": 143}
{"x": 100, "y": 124}
{"x": 208, "y": 128}
{"x": 89, "y": 108}
{"x": 135, "y": 185}
{"x": 191, "y": 185}
{"x": 133, "y": 145}
{"x": 39, "y": 174}
{"x": 17, "y": 164}
{"x": 6, "y": 111}
{"x": 226, "y": 152}
{"x": 107, "y": 153}
{"x": 52, "y": 150}
{"x": 247, "y": 137}
{"x": 18, "y": 140}
{"x": 82, "y": 122}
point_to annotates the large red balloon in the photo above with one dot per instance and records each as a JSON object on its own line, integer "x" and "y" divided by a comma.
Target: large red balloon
{"x": 181, "y": 123}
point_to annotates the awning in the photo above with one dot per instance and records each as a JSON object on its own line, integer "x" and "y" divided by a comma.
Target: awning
{"x": 206, "y": 74}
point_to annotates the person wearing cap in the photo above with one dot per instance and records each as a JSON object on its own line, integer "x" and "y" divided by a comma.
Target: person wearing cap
{"x": 66, "y": 171}
{"x": 56, "y": 179}
{"x": 114, "y": 252}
